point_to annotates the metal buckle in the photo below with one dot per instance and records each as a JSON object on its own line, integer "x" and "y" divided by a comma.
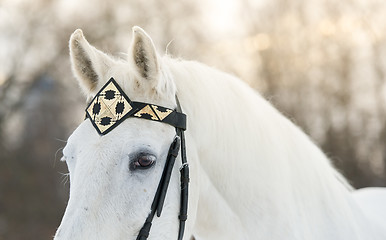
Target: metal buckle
{"x": 184, "y": 165}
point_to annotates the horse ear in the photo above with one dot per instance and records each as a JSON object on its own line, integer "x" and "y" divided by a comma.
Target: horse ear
{"x": 144, "y": 55}
{"x": 88, "y": 63}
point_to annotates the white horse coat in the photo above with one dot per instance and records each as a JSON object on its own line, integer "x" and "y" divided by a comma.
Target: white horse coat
{"x": 254, "y": 174}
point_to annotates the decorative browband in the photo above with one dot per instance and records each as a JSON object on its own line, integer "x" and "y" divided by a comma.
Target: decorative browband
{"x": 111, "y": 106}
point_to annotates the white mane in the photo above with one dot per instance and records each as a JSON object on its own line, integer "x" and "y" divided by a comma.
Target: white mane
{"x": 263, "y": 157}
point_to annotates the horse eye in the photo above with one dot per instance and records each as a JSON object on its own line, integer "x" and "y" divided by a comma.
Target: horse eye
{"x": 144, "y": 161}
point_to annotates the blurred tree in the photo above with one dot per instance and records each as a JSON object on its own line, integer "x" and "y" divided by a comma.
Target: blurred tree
{"x": 325, "y": 67}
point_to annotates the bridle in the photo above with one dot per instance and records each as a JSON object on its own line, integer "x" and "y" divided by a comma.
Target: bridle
{"x": 110, "y": 107}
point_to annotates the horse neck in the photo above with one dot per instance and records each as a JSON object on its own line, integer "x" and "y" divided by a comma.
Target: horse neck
{"x": 258, "y": 160}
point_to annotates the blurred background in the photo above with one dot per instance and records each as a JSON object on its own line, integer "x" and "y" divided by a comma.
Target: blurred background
{"x": 322, "y": 63}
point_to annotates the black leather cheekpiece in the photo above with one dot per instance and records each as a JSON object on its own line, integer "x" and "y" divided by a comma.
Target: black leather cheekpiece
{"x": 111, "y": 106}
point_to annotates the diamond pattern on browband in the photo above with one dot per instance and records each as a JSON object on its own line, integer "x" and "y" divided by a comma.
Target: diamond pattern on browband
{"x": 111, "y": 106}
{"x": 108, "y": 107}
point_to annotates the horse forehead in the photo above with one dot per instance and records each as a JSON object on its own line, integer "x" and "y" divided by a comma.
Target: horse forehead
{"x": 131, "y": 134}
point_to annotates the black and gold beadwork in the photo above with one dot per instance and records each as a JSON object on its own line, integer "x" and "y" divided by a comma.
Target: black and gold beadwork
{"x": 111, "y": 106}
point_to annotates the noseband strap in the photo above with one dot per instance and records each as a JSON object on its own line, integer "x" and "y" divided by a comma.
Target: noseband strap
{"x": 110, "y": 107}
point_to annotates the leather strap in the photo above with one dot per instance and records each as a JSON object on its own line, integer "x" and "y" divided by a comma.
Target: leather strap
{"x": 111, "y": 106}
{"x": 177, "y": 145}
{"x": 184, "y": 173}
{"x": 159, "y": 198}
{"x": 174, "y": 118}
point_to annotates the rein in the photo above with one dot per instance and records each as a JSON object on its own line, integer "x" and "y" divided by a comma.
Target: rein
{"x": 110, "y": 107}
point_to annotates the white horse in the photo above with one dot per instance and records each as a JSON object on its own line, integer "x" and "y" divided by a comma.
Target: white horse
{"x": 254, "y": 174}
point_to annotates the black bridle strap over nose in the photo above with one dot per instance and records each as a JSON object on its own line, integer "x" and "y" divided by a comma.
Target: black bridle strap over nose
{"x": 177, "y": 145}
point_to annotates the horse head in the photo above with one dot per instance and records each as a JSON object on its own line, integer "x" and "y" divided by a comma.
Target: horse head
{"x": 114, "y": 176}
